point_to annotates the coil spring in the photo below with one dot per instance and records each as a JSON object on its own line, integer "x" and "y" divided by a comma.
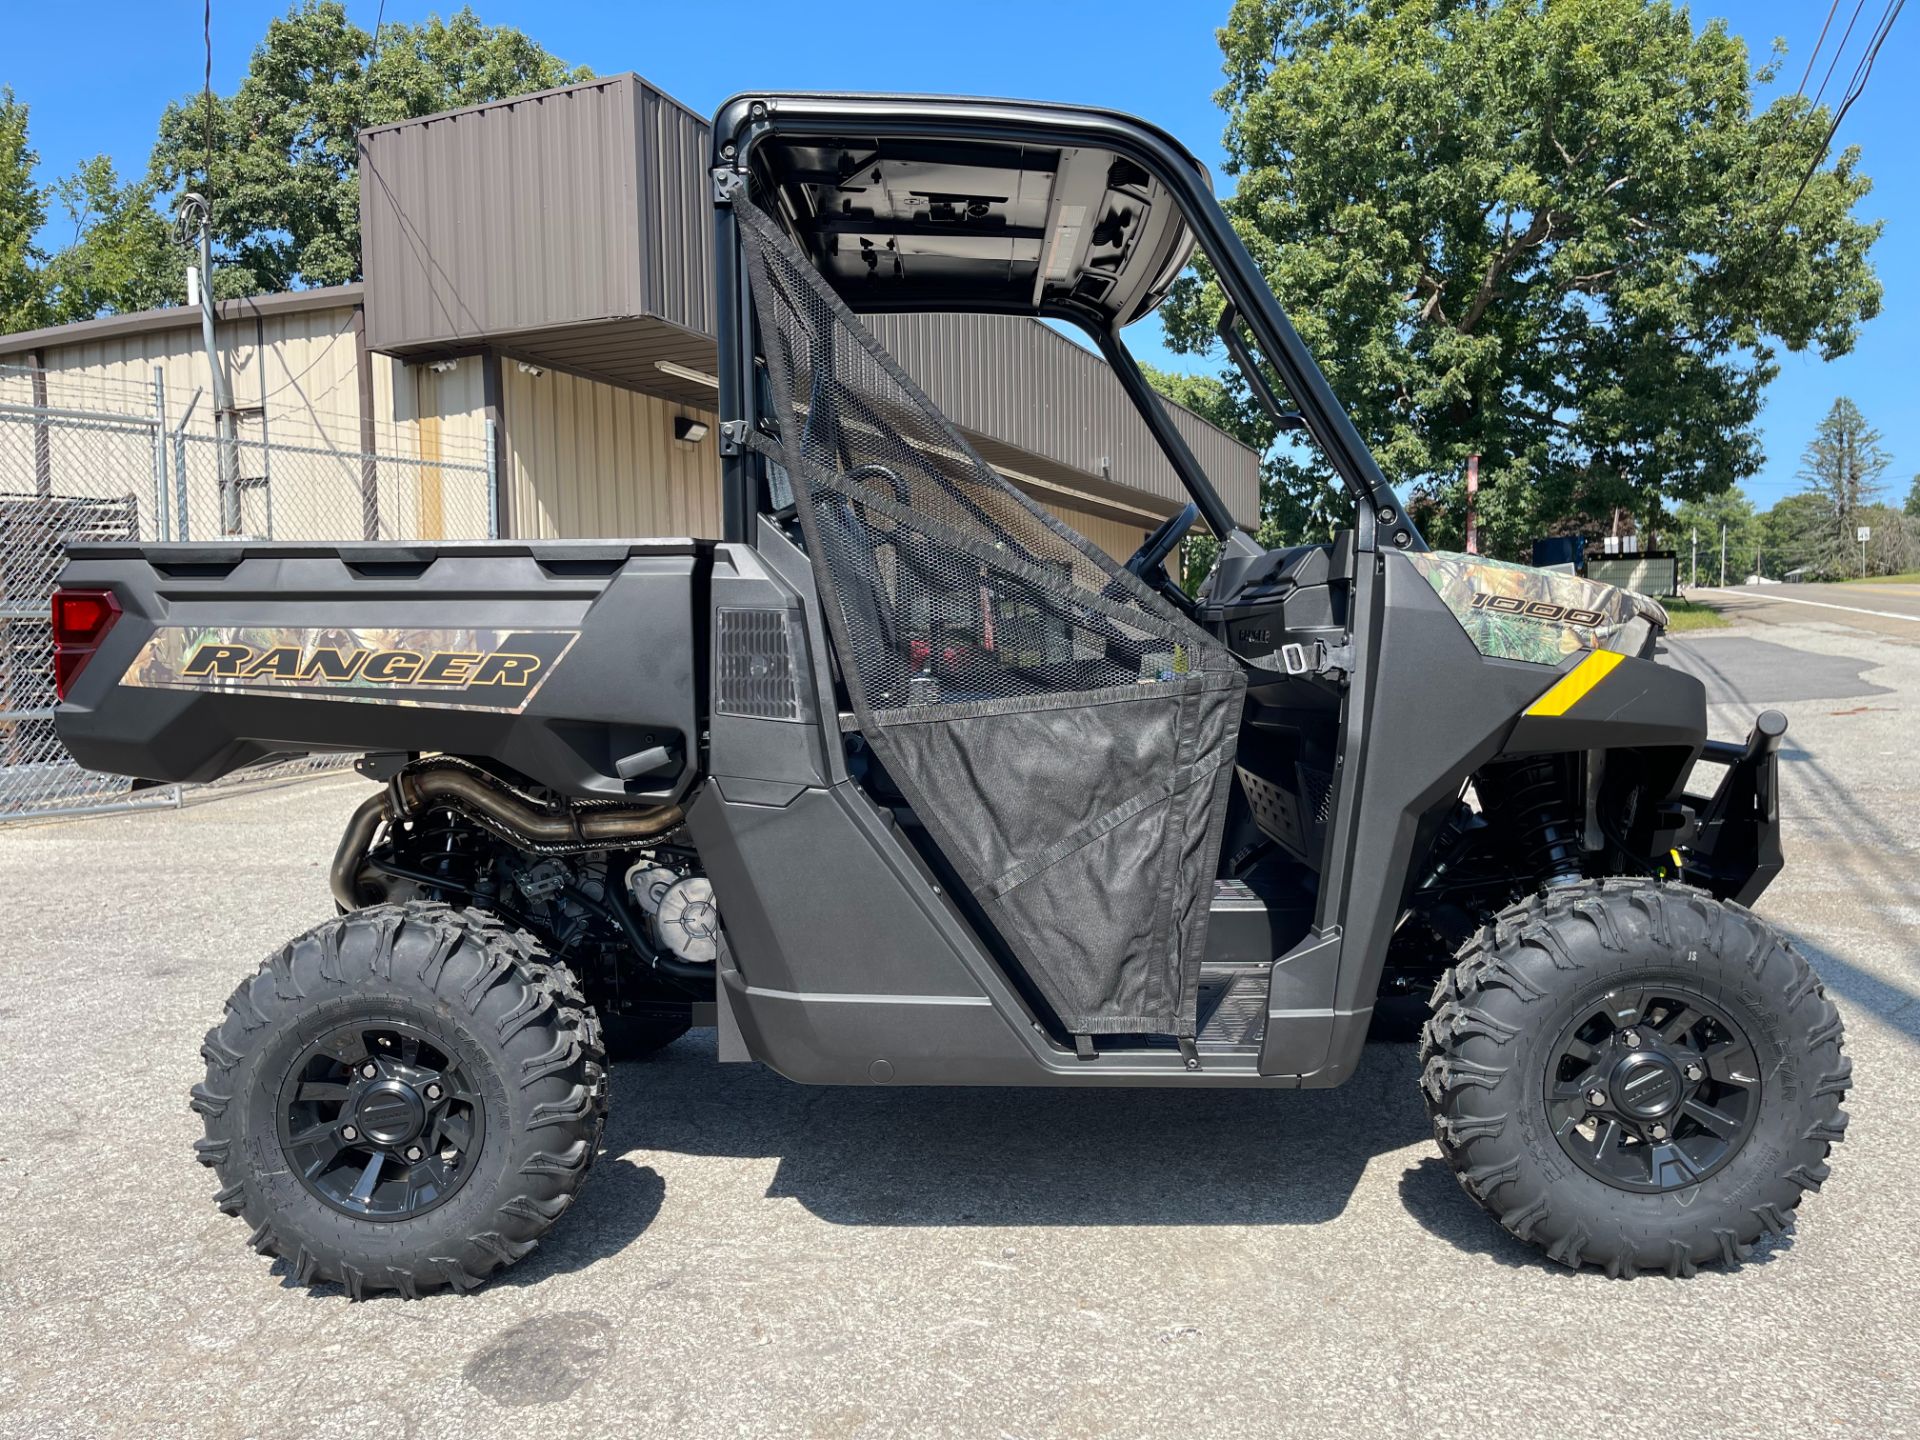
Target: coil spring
{"x": 1530, "y": 801}
{"x": 441, "y": 841}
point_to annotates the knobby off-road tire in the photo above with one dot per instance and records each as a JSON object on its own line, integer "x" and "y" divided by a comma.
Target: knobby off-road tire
{"x": 504, "y": 1024}
{"x": 1500, "y": 1017}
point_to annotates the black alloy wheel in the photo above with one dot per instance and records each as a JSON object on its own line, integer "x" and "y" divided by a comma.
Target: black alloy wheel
{"x": 379, "y": 1122}
{"x": 406, "y": 1097}
{"x": 1652, "y": 1088}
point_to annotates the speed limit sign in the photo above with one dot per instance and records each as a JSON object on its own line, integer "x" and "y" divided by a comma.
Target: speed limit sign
{"x": 1863, "y": 534}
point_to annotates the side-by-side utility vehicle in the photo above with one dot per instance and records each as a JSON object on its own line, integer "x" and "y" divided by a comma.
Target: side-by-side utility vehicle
{"x": 904, "y": 782}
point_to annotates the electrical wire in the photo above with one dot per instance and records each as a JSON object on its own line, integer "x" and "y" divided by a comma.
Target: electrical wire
{"x": 206, "y": 93}
{"x": 1832, "y": 8}
{"x": 1839, "y": 50}
{"x": 1856, "y": 86}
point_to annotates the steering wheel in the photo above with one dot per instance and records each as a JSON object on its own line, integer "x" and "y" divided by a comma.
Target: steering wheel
{"x": 1149, "y": 562}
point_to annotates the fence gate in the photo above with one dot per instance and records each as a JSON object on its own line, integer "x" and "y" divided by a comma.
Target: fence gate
{"x": 98, "y": 461}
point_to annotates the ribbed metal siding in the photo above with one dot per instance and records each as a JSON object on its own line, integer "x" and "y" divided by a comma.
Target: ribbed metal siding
{"x": 592, "y": 460}
{"x": 1022, "y": 382}
{"x": 511, "y": 216}
{"x": 674, "y": 145}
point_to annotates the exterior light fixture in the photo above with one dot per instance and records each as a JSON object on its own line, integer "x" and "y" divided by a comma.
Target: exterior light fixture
{"x": 688, "y": 430}
{"x": 443, "y": 367}
{"x": 534, "y": 370}
{"x": 687, "y": 372}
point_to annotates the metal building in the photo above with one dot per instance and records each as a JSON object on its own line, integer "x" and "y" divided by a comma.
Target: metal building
{"x": 538, "y": 310}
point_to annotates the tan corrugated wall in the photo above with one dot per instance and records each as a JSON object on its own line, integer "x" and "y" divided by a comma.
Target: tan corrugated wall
{"x": 582, "y": 458}
{"x": 306, "y": 372}
{"x": 585, "y": 459}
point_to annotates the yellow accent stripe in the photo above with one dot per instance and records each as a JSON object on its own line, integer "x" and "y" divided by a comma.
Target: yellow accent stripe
{"x": 1574, "y": 685}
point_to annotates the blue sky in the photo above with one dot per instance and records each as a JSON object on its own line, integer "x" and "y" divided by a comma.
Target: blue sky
{"x": 1158, "y": 60}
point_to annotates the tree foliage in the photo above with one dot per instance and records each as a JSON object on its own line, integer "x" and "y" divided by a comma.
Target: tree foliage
{"x": 284, "y": 179}
{"x": 1842, "y": 467}
{"x": 122, "y": 255}
{"x": 1817, "y": 530}
{"x": 1549, "y": 234}
{"x": 284, "y": 169}
{"x": 1729, "y": 511}
{"x": 23, "y": 210}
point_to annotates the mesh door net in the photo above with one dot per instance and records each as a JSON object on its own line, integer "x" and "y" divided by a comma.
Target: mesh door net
{"x": 1062, "y": 732}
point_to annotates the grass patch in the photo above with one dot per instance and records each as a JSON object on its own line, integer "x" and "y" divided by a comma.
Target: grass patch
{"x": 1911, "y": 577}
{"x": 1692, "y": 615}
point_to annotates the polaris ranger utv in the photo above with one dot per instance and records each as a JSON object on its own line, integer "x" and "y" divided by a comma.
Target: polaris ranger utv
{"x": 904, "y": 782}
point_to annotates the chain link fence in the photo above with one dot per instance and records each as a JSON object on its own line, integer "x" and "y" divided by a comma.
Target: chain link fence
{"x": 90, "y": 458}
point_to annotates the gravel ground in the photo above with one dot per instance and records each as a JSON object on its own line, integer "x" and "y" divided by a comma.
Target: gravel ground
{"x": 755, "y": 1258}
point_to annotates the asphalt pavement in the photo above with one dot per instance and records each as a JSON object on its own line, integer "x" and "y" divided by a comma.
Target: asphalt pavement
{"x": 753, "y": 1258}
{"x": 1873, "y": 607}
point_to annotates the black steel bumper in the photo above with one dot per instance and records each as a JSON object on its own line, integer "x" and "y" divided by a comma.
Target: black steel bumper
{"x": 1734, "y": 851}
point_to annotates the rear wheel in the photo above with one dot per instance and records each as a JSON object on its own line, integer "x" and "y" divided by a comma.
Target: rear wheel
{"x": 1635, "y": 1076}
{"x": 406, "y": 1097}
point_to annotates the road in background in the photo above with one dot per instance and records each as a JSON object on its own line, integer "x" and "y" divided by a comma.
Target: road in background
{"x": 755, "y": 1258}
{"x": 1873, "y": 608}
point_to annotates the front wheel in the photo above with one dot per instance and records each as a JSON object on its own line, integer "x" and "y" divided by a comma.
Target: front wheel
{"x": 404, "y": 1098}
{"x": 1634, "y": 1075}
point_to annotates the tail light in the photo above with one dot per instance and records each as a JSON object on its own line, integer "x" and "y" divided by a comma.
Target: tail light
{"x": 81, "y": 620}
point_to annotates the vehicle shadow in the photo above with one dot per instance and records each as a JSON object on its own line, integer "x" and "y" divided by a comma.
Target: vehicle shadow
{"x": 1001, "y": 1157}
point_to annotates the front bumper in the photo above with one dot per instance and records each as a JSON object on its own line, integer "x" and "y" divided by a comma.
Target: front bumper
{"x": 1734, "y": 850}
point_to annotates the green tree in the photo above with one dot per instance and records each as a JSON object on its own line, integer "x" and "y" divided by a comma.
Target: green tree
{"x": 123, "y": 255}
{"x": 1912, "y": 507}
{"x": 1549, "y": 234}
{"x": 1732, "y": 509}
{"x": 1842, "y": 466}
{"x": 284, "y": 178}
{"x": 1790, "y": 535}
{"x": 23, "y": 210}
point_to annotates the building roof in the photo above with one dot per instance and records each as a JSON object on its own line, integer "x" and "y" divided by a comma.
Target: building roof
{"x": 174, "y": 317}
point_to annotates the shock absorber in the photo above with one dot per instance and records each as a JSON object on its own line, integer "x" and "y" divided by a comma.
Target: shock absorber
{"x": 1531, "y": 802}
{"x": 442, "y": 844}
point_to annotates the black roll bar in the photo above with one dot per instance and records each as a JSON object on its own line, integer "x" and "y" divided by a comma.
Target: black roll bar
{"x": 746, "y": 120}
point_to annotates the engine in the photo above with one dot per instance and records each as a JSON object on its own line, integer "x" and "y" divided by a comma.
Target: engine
{"x": 636, "y": 921}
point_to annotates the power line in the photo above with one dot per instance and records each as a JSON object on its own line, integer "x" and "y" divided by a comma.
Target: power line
{"x": 1802, "y": 87}
{"x": 1839, "y": 50}
{"x": 206, "y": 105}
{"x": 1856, "y": 86}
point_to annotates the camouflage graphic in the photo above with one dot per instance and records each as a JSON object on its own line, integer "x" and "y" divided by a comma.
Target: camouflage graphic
{"x": 447, "y": 669}
{"x": 1515, "y": 612}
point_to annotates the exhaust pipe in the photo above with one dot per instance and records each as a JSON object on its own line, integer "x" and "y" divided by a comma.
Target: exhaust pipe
{"x": 526, "y": 821}
{"x": 516, "y": 817}
{"x": 351, "y": 858}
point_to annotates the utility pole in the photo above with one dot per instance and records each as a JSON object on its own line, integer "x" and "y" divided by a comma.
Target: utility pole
{"x": 1473, "y": 501}
{"x": 1696, "y": 557}
{"x": 1723, "y": 555}
{"x": 194, "y": 213}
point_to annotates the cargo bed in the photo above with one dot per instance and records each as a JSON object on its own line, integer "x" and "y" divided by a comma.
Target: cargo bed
{"x": 574, "y": 662}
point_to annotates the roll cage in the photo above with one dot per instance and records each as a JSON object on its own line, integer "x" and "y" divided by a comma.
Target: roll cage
{"x": 973, "y": 192}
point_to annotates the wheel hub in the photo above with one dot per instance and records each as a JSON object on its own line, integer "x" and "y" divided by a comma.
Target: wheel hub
{"x": 390, "y": 1112}
{"x": 1646, "y": 1085}
{"x": 380, "y": 1120}
{"x": 1652, "y": 1087}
